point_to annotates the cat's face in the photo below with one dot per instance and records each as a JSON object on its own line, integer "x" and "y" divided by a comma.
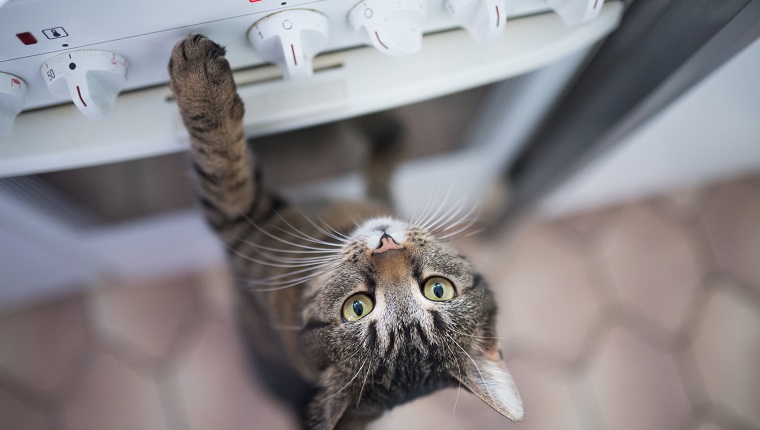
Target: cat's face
{"x": 401, "y": 316}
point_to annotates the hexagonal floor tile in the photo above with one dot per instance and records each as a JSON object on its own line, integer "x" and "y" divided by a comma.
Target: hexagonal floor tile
{"x": 637, "y": 387}
{"x": 727, "y": 349}
{"x": 216, "y": 289}
{"x": 215, "y": 387}
{"x": 15, "y": 414}
{"x": 732, "y": 223}
{"x": 114, "y": 396}
{"x": 545, "y": 290}
{"x": 40, "y": 345}
{"x": 653, "y": 265}
{"x": 679, "y": 204}
{"x": 548, "y": 397}
{"x": 446, "y": 409}
{"x": 145, "y": 317}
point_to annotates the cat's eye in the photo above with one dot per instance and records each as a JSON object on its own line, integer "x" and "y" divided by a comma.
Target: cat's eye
{"x": 439, "y": 289}
{"x": 357, "y": 307}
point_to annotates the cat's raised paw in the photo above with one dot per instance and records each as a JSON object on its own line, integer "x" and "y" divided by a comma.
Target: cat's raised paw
{"x": 201, "y": 79}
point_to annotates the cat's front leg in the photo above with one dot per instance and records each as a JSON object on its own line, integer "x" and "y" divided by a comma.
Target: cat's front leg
{"x": 212, "y": 112}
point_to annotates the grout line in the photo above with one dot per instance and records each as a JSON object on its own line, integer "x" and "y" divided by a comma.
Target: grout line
{"x": 691, "y": 378}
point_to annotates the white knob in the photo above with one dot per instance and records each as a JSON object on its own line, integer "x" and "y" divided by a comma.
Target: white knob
{"x": 290, "y": 39}
{"x": 483, "y": 19}
{"x": 576, "y": 12}
{"x": 394, "y": 27}
{"x": 92, "y": 79}
{"x": 12, "y": 95}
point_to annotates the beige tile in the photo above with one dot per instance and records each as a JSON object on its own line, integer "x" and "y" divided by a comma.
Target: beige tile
{"x": 215, "y": 389}
{"x": 15, "y": 414}
{"x": 653, "y": 264}
{"x": 583, "y": 228}
{"x": 682, "y": 204}
{"x": 113, "y": 396}
{"x": 732, "y": 223}
{"x": 447, "y": 409}
{"x": 40, "y": 345}
{"x": 216, "y": 288}
{"x": 145, "y": 318}
{"x": 546, "y": 293}
{"x": 727, "y": 349}
{"x": 709, "y": 426}
{"x": 637, "y": 387}
{"x": 548, "y": 398}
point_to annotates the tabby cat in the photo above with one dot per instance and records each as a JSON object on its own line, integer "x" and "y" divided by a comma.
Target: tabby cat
{"x": 347, "y": 310}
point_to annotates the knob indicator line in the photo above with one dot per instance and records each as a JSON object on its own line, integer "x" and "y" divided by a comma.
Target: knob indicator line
{"x": 79, "y": 92}
{"x": 380, "y": 41}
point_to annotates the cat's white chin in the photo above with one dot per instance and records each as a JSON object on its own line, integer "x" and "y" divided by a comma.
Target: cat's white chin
{"x": 370, "y": 232}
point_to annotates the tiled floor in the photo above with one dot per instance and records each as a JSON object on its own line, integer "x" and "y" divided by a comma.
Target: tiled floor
{"x": 640, "y": 316}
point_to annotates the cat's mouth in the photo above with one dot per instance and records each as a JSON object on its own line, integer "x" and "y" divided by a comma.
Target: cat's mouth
{"x": 387, "y": 243}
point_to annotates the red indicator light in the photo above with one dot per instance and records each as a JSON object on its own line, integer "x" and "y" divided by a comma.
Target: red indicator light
{"x": 27, "y": 38}
{"x": 253, "y": 1}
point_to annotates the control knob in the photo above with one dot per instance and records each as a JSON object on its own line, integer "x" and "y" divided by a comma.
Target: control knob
{"x": 290, "y": 39}
{"x": 576, "y": 12}
{"x": 91, "y": 78}
{"x": 12, "y": 95}
{"x": 394, "y": 27}
{"x": 483, "y": 19}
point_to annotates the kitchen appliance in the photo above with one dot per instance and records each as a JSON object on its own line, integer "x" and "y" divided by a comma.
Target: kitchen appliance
{"x": 83, "y": 83}
{"x": 64, "y": 61}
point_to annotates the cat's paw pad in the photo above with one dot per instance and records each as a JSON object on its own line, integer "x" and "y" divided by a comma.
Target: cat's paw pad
{"x": 201, "y": 79}
{"x": 197, "y": 63}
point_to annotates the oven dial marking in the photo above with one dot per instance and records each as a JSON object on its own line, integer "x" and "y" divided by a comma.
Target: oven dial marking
{"x": 12, "y": 95}
{"x": 290, "y": 39}
{"x": 393, "y": 27}
{"x": 92, "y": 79}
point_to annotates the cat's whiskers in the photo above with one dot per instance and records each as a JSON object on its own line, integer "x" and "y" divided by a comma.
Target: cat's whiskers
{"x": 350, "y": 380}
{"x": 285, "y": 327}
{"x": 281, "y": 278}
{"x": 361, "y": 390}
{"x": 269, "y": 253}
{"x": 444, "y": 219}
{"x": 287, "y": 242}
{"x": 339, "y": 237}
{"x": 296, "y": 260}
{"x": 302, "y": 235}
{"x": 417, "y": 220}
{"x": 300, "y": 264}
{"x": 435, "y": 214}
{"x": 474, "y": 336}
{"x": 289, "y": 251}
{"x": 461, "y": 225}
{"x": 482, "y": 378}
{"x": 446, "y": 213}
{"x": 459, "y": 388}
{"x": 281, "y": 285}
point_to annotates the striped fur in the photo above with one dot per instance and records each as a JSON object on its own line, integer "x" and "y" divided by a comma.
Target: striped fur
{"x": 296, "y": 268}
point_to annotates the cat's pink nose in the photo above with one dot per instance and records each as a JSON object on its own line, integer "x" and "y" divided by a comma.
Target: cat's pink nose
{"x": 386, "y": 244}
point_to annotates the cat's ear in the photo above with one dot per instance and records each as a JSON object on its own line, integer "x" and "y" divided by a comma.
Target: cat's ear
{"x": 325, "y": 411}
{"x": 487, "y": 377}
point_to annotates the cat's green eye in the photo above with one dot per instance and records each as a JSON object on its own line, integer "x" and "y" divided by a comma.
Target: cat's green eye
{"x": 439, "y": 289}
{"x": 357, "y": 307}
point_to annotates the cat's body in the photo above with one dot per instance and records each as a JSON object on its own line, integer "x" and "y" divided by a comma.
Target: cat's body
{"x": 347, "y": 311}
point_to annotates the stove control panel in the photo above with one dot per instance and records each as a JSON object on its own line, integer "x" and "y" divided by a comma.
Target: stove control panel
{"x": 88, "y": 51}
